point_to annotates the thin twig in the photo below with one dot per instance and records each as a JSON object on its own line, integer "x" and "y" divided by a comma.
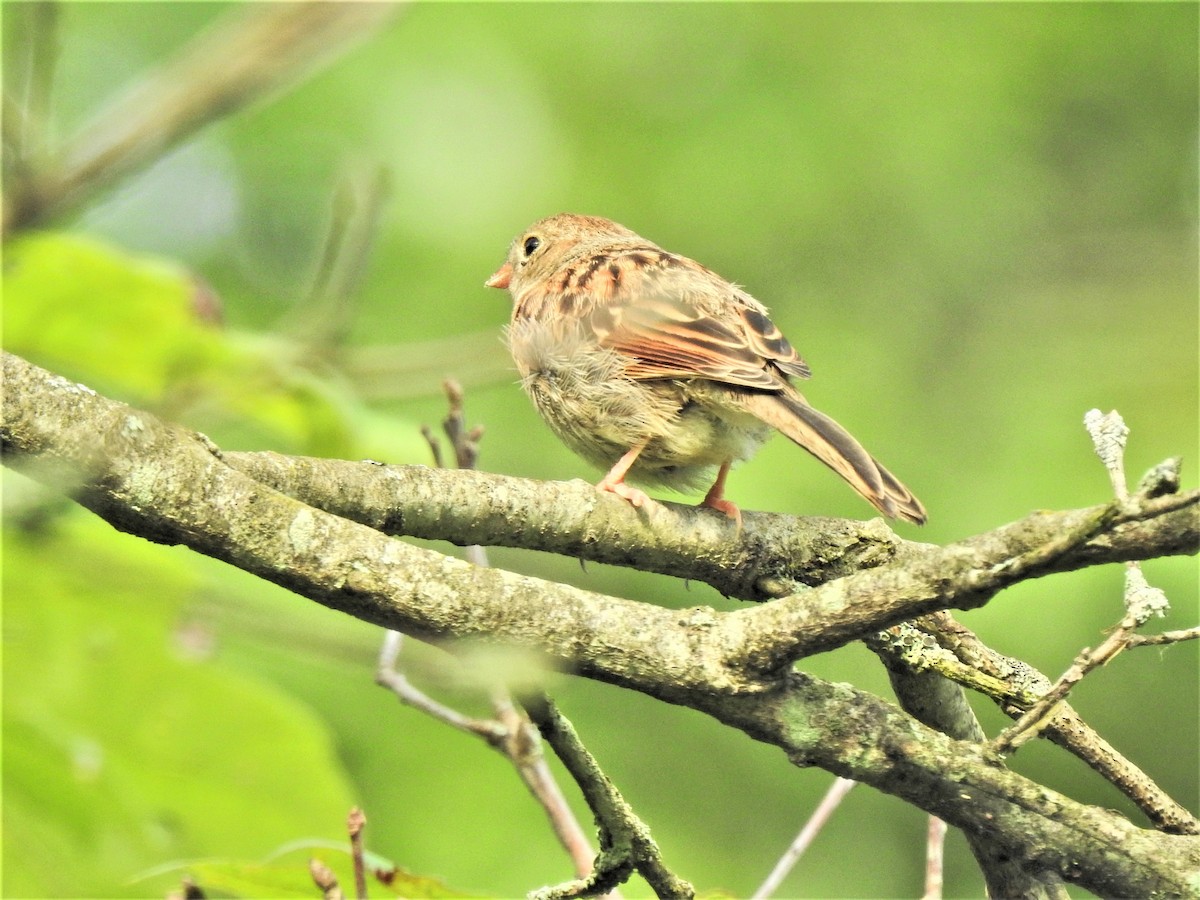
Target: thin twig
{"x": 825, "y": 809}
{"x": 1025, "y": 685}
{"x": 525, "y": 751}
{"x": 1109, "y": 434}
{"x": 388, "y": 675}
{"x": 625, "y": 842}
{"x": 465, "y": 441}
{"x": 355, "y": 823}
{"x": 435, "y": 446}
{"x": 509, "y": 732}
{"x": 1164, "y": 637}
{"x": 935, "y": 859}
{"x": 1041, "y": 713}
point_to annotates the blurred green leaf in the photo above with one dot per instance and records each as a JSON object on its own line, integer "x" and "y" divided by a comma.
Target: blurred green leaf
{"x": 83, "y": 308}
{"x": 288, "y": 875}
{"x": 140, "y": 328}
{"x": 240, "y": 879}
{"x": 126, "y": 740}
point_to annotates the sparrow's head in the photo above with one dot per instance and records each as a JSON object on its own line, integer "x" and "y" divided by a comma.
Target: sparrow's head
{"x": 546, "y": 246}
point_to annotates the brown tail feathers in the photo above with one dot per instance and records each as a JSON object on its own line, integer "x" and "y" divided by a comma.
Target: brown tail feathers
{"x": 836, "y": 447}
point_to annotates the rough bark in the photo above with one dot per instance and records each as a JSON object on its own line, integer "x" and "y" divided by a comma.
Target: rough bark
{"x": 170, "y": 485}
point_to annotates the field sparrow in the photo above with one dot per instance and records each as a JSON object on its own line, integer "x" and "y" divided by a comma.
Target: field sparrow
{"x": 650, "y": 365}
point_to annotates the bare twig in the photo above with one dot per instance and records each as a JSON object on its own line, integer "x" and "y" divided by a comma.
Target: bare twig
{"x": 1142, "y": 601}
{"x": 935, "y": 853}
{"x": 825, "y": 809}
{"x": 511, "y": 734}
{"x": 525, "y": 751}
{"x": 1165, "y": 637}
{"x": 246, "y": 55}
{"x": 388, "y": 675}
{"x": 465, "y": 441}
{"x": 509, "y": 731}
{"x": 625, "y": 842}
{"x": 435, "y": 446}
{"x": 1042, "y": 712}
{"x": 1023, "y": 686}
{"x": 355, "y": 823}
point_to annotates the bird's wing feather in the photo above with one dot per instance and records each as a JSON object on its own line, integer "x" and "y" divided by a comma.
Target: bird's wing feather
{"x": 666, "y": 335}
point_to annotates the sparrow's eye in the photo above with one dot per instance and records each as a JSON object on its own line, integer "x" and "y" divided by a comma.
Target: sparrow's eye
{"x": 531, "y": 244}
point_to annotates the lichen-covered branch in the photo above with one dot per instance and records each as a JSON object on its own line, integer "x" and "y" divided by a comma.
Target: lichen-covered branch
{"x": 855, "y": 735}
{"x": 1068, "y": 730}
{"x": 170, "y": 485}
{"x": 770, "y": 557}
{"x": 625, "y": 842}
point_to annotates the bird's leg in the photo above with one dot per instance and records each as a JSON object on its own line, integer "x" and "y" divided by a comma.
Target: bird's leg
{"x": 715, "y": 499}
{"x": 614, "y": 481}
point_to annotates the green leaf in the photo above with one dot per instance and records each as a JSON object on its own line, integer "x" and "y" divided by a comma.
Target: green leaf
{"x": 82, "y": 308}
{"x": 127, "y": 739}
{"x": 288, "y": 875}
{"x": 129, "y": 327}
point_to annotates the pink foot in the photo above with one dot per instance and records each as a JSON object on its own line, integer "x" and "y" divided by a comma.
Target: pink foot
{"x": 614, "y": 481}
{"x": 621, "y": 489}
{"x": 726, "y": 506}
{"x": 715, "y": 499}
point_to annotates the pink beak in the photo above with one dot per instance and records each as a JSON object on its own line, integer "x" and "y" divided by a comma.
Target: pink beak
{"x": 501, "y": 277}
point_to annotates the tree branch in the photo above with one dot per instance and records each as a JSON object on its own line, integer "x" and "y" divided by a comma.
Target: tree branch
{"x": 625, "y": 841}
{"x": 171, "y": 486}
{"x": 938, "y": 645}
{"x": 243, "y": 57}
{"x": 855, "y": 735}
{"x": 769, "y": 558}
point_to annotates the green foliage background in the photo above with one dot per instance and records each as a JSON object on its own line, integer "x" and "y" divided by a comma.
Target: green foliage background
{"x": 975, "y": 221}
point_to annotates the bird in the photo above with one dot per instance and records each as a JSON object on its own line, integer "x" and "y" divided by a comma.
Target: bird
{"x": 653, "y": 367}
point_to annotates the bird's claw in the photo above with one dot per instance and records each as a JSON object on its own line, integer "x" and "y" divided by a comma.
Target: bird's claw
{"x": 637, "y": 498}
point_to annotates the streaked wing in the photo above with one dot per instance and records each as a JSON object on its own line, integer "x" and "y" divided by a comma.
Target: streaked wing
{"x": 667, "y": 337}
